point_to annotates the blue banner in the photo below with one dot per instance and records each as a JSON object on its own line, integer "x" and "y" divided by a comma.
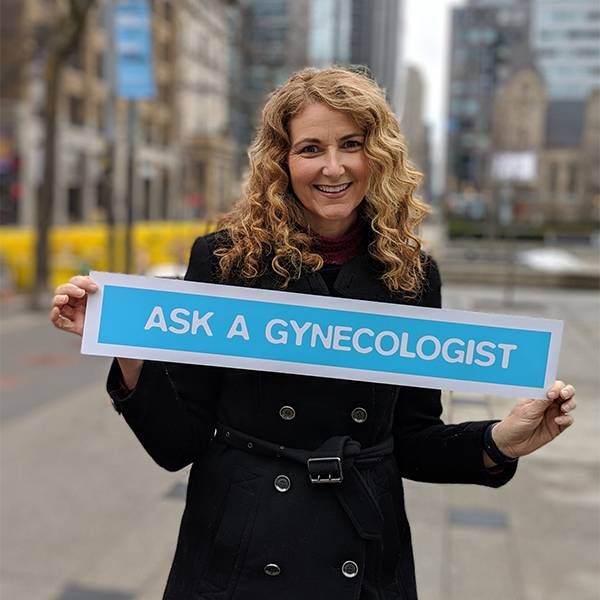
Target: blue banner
{"x": 267, "y": 330}
{"x": 133, "y": 50}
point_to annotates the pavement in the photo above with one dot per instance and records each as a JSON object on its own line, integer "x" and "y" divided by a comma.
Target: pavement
{"x": 86, "y": 515}
{"x": 521, "y": 263}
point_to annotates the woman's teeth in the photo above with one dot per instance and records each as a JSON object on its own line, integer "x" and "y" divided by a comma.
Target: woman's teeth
{"x": 332, "y": 189}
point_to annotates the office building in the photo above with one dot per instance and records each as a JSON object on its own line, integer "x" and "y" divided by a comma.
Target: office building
{"x": 207, "y": 156}
{"x": 330, "y": 29}
{"x": 270, "y": 41}
{"x": 172, "y": 176}
{"x": 414, "y": 128}
{"x": 487, "y": 41}
{"x": 545, "y": 153}
{"x": 376, "y": 42}
{"x": 565, "y": 37}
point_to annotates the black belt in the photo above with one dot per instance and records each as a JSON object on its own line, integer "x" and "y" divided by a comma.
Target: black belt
{"x": 335, "y": 462}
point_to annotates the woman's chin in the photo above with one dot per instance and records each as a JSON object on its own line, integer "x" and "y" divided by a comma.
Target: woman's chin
{"x": 341, "y": 215}
{"x": 332, "y": 224}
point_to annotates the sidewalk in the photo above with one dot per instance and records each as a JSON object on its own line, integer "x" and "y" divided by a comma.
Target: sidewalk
{"x": 86, "y": 515}
{"x": 537, "y": 538}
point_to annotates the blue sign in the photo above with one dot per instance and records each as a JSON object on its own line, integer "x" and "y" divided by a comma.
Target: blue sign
{"x": 141, "y": 317}
{"x": 133, "y": 50}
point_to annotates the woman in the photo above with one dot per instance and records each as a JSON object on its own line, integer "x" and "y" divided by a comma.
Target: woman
{"x": 329, "y": 209}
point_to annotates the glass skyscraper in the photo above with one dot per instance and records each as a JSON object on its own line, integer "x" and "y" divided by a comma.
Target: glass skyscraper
{"x": 565, "y": 36}
{"x": 330, "y": 32}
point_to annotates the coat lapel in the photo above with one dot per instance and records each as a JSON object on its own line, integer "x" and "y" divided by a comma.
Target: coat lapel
{"x": 360, "y": 278}
{"x": 307, "y": 283}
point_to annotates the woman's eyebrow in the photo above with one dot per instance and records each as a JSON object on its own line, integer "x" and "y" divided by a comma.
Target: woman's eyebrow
{"x": 308, "y": 141}
{"x": 351, "y": 135}
{"x": 318, "y": 141}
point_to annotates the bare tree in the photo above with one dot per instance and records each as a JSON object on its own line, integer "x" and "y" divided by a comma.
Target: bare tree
{"x": 68, "y": 30}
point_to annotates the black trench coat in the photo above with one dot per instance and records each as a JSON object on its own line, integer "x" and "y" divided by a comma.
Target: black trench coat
{"x": 249, "y": 534}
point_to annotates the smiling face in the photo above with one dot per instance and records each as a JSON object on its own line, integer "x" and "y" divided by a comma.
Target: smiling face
{"x": 328, "y": 167}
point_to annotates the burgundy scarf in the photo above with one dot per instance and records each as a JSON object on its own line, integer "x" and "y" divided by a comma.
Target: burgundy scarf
{"x": 339, "y": 250}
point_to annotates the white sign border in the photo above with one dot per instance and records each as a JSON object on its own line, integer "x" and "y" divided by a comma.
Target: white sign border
{"x": 89, "y": 344}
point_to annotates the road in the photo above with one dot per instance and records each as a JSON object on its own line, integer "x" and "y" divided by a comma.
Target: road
{"x": 86, "y": 515}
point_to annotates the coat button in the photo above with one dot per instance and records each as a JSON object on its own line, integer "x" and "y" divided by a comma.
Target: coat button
{"x": 359, "y": 414}
{"x": 350, "y": 569}
{"x": 272, "y": 570}
{"x": 282, "y": 483}
{"x": 287, "y": 413}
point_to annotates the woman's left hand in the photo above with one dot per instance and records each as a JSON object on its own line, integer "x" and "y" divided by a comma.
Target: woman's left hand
{"x": 531, "y": 424}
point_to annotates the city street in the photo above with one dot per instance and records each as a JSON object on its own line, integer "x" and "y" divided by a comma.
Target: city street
{"x": 300, "y": 128}
{"x": 87, "y": 515}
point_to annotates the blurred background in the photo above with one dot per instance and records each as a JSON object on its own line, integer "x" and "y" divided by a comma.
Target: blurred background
{"x": 124, "y": 127}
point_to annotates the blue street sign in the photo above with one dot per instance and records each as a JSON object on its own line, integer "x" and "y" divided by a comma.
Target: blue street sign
{"x": 133, "y": 50}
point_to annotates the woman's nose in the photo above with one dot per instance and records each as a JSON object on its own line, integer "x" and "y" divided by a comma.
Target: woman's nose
{"x": 333, "y": 166}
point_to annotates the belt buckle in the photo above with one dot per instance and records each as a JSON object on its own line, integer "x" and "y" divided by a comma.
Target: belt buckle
{"x": 333, "y": 475}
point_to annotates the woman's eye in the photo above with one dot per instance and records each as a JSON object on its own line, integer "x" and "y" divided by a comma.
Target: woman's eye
{"x": 353, "y": 144}
{"x": 309, "y": 149}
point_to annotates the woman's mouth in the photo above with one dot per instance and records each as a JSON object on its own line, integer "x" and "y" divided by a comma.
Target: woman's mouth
{"x": 333, "y": 191}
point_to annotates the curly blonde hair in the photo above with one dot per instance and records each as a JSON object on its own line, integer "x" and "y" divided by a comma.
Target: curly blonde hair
{"x": 268, "y": 222}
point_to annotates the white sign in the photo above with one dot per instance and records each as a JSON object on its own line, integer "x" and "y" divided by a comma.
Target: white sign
{"x": 518, "y": 167}
{"x": 181, "y": 321}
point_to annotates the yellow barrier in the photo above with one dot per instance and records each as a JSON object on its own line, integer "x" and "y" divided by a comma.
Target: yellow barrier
{"x": 77, "y": 249}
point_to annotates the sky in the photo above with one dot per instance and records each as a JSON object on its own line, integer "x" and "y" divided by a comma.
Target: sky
{"x": 426, "y": 31}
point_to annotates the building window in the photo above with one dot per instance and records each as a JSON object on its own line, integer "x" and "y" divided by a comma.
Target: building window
{"x": 168, "y": 11}
{"x": 522, "y": 137}
{"x": 164, "y": 93}
{"x": 553, "y": 184}
{"x": 572, "y": 183}
{"x": 165, "y": 50}
{"x": 76, "y": 108}
{"x": 164, "y": 196}
{"x": 74, "y": 204}
{"x": 100, "y": 71}
{"x": 147, "y": 130}
{"x": 165, "y": 137}
{"x": 268, "y": 10}
{"x": 562, "y": 16}
{"x": 10, "y": 193}
{"x": 100, "y": 116}
{"x": 583, "y": 34}
{"x": 147, "y": 199}
{"x": 75, "y": 58}
{"x": 100, "y": 196}
{"x": 587, "y": 51}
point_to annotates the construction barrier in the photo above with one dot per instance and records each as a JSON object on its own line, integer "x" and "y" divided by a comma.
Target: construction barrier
{"x": 78, "y": 249}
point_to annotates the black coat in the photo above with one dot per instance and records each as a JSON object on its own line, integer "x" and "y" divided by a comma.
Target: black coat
{"x": 236, "y": 522}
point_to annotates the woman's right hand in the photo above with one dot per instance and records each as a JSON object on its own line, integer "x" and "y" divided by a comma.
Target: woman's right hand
{"x": 69, "y": 303}
{"x": 68, "y": 314}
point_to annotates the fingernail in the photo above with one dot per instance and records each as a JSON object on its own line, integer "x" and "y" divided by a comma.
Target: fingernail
{"x": 552, "y": 395}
